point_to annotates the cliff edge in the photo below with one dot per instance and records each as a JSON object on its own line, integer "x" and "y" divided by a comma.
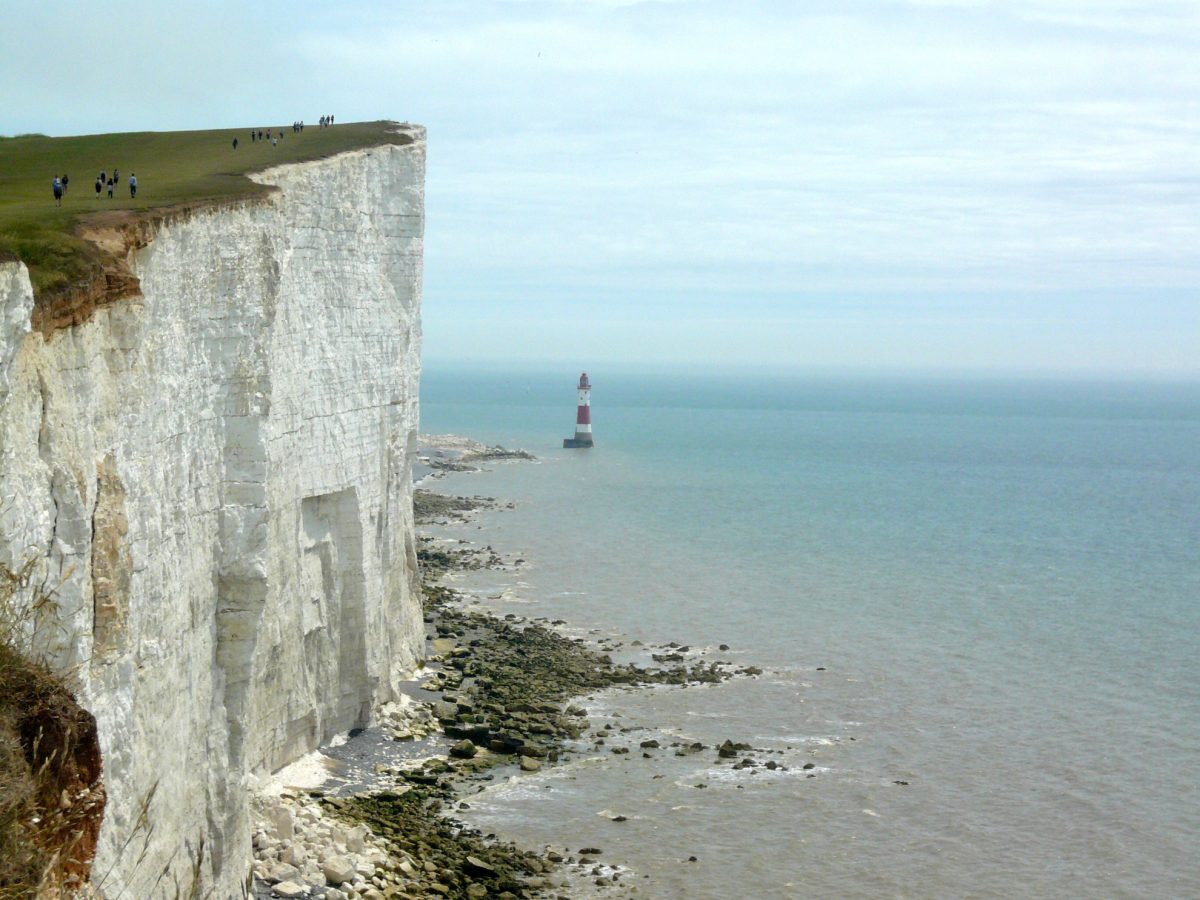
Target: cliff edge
{"x": 215, "y": 474}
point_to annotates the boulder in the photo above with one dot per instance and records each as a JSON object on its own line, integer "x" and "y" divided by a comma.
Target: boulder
{"x": 464, "y": 749}
{"x": 419, "y": 778}
{"x": 506, "y": 743}
{"x": 365, "y": 868}
{"x": 356, "y": 839}
{"x": 283, "y": 872}
{"x": 282, "y": 821}
{"x": 476, "y": 866}
{"x": 444, "y": 710}
{"x": 529, "y": 764}
{"x": 338, "y": 870}
{"x": 478, "y": 733}
{"x": 289, "y": 889}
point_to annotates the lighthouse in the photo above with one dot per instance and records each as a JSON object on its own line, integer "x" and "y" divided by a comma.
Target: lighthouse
{"x": 583, "y": 417}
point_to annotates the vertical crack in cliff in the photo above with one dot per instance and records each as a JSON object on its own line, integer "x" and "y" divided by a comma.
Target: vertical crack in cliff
{"x": 241, "y": 598}
{"x": 242, "y": 558}
{"x": 44, "y": 453}
{"x": 112, "y": 563}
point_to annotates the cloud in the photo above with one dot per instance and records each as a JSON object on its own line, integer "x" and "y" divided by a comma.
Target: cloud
{"x": 652, "y": 156}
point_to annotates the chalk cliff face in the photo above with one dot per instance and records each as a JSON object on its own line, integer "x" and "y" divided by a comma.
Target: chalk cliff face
{"x": 217, "y": 475}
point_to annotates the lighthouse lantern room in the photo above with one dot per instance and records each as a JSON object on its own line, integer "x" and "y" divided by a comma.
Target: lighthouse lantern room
{"x": 583, "y": 417}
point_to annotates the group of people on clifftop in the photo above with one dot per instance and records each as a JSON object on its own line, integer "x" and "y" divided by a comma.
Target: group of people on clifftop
{"x": 60, "y": 184}
{"x": 104, "y": 180}
{"x": 257, "y": 136}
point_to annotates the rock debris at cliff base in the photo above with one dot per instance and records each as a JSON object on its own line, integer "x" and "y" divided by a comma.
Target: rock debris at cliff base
{"x": 501, "y": 690}
{"x": 441, "y": 454}
{"x": 431, "y": 508}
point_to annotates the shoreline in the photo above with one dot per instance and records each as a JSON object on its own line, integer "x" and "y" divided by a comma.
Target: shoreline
{"x": 499, "y": 697}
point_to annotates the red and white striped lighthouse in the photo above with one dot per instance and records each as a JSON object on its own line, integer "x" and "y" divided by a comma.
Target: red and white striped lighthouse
{"x": 583, "y": 417}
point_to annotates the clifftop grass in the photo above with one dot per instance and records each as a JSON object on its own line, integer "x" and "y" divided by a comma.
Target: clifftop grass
{"x": 174, "y": 169}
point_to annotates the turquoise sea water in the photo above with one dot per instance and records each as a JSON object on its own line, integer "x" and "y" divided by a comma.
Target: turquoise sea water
{"x": 1001, "y": 579}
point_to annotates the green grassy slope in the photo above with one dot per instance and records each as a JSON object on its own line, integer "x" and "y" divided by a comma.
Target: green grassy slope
{"x": 173, "y": 168}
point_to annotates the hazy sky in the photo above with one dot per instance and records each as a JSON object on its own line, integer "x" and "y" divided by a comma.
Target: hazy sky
{"x": 927, "y": 184}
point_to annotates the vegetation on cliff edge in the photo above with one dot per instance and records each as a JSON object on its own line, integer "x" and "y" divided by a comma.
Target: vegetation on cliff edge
{"x": 51, "y": 793}
{"x": 174, "y": 169}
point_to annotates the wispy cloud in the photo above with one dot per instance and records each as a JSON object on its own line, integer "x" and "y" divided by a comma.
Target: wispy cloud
{"x": 643, "y": 155}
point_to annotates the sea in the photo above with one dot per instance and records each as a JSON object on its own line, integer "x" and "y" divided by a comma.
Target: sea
{"x": 975, "y": 602}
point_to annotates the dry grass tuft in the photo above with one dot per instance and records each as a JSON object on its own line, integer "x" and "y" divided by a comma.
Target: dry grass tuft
{"x": 51, "y": 794}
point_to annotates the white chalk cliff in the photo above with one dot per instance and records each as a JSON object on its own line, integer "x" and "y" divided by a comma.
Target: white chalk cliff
{"x": 216, "y": 475}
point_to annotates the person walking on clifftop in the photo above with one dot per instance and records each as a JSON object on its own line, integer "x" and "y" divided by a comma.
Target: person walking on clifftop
{"x": 132, "y": 185}
{"x": 56, "y": 186}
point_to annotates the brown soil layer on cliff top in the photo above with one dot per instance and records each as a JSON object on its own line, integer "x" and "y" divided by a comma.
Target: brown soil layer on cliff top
{"x": 76, "y": 253}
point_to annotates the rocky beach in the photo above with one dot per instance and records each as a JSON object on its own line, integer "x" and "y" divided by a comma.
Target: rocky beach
{"x": 374, "y": 815}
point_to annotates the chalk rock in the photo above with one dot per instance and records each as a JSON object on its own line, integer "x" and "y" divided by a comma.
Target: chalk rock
{"x": 283, "y": 872}
{"x": 356, "y": 839}
{"x": 294, "y": 854}
{"x": 282, "y": 821}
{"x": 338, "y": 870}
{"x": 365, "y": 868}
{"x": 218, "y": 474}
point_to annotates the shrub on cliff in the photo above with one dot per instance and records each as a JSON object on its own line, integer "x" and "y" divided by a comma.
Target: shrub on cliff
{"x": 51, "y": 795}
{"x": 21, "y": 862}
